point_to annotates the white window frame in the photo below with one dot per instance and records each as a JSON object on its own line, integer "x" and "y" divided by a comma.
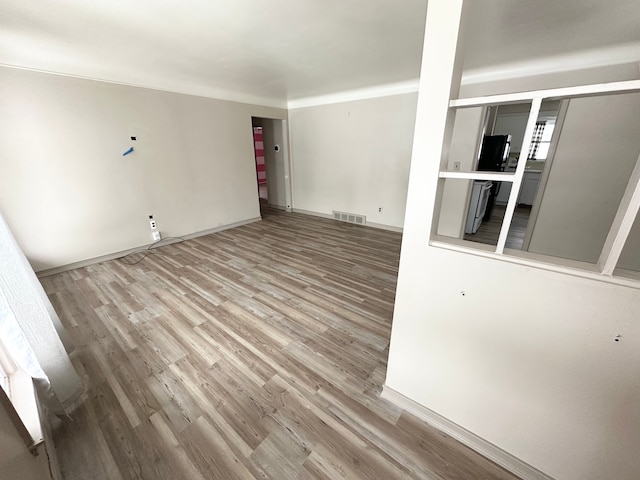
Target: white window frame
{"x": 627, "y": 210}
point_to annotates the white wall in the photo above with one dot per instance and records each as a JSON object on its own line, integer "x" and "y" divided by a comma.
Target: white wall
{"x": 525, "y": 358}
{"x": 69, "y": 195}
{"x": 596, "y": 152}
{"x": 512, "y": 124}
{"x": 353, "y": 157}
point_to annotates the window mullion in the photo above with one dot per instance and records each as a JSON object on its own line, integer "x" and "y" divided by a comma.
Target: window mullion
{"x": 622, "y": 223}
{"x": 479, "y": 175}
{"x": 519, "y": 174}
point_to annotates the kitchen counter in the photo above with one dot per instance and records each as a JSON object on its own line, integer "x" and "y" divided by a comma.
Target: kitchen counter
{"x": 534, "y": 166}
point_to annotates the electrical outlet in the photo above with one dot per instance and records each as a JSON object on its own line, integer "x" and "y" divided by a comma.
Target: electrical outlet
{"x": 379, "y": 209}
{"x": 156, "y": 236}
{"x": 153, "y": 224}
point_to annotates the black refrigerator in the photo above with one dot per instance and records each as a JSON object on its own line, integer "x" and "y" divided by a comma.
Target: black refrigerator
{"x": 493, "y": 158}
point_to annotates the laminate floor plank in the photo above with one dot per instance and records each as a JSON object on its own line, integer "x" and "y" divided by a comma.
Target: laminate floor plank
{"x": 489, "y": 230}
{"x": 87, "y": 445}
{"x": 255, "y": 352}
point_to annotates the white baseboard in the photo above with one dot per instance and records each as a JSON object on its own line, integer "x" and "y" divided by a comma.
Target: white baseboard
{"x": 221, "y": 228}
{"x": 122, "y": 253}
{"x": 277, "y": 207}
{"x": 314, "y": 214}
{"x": 471, "y": 440}
{"x": 380, "y": 226}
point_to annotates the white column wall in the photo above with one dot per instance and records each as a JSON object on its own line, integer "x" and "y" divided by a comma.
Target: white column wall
{"x": 522, "y": 357}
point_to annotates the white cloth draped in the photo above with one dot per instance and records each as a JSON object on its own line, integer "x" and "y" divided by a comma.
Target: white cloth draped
{"x": 31, "y": 330}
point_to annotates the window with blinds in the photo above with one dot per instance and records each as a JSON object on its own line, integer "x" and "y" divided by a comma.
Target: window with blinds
{"x": 541, "y": 140}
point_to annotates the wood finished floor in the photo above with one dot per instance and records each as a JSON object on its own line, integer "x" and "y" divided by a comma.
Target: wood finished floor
{"x": 489, "y": 230}
{"x": 258, "y": 352}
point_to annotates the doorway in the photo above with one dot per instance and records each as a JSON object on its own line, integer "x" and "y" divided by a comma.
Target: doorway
{"x": 261, "y": 173}
{"x": 272, "y": 163}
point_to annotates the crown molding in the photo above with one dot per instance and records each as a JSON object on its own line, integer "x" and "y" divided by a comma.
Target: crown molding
{"x": 182, "y": 89}
{"x": 378, "y": 91}
{"x": 601, "y": 57}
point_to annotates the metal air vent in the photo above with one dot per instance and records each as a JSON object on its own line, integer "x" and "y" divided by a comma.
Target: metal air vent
{"x": 350, "y": 218}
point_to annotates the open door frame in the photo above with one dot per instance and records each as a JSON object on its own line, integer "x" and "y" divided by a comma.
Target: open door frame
{"x": 280, "y": 139}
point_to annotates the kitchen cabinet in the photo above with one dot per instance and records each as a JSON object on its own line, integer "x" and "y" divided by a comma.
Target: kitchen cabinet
{"x": 503, "y": 194}
{"x": 528, "y": 189}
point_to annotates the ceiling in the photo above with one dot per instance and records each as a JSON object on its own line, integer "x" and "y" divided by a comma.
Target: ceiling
{"x": 279, "y": 50}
